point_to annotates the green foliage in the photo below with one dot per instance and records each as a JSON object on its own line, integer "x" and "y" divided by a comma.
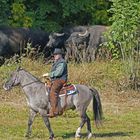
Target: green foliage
{"x": 124, "y": 31}
{"x": 4, "y": 11}
{"x": 41, "y": 16}
{"x": 99, "y": 12}
{"x": 19, "y": 17}
{"x": 53, "y": 15}
{"x": 85, "y": 12}
{"x": 125, "y": 22}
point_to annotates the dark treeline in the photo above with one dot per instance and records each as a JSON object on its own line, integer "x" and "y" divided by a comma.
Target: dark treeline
{"x": 52, "y": 15}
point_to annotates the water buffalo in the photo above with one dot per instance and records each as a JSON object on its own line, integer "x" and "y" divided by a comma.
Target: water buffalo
{"x": 91, "y": 38}
{"x": 57, "y": 40}
{"x": 77, "y": 39}
{"x": 76, "y": 46}
{"x": 14, "y": 40}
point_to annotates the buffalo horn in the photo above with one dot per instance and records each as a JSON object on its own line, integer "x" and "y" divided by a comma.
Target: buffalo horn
{"x": 83, "y": 33}
{"x": 58, "y": 34}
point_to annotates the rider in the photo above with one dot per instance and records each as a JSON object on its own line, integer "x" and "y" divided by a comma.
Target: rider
{"x": 58, "y": 77}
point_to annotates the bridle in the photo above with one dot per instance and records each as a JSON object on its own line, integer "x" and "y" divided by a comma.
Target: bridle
{"x": 29, "y": 84}
{"x": 24, "y": 84}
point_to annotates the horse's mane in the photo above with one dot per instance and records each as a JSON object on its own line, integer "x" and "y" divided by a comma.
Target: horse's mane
{"x": 28, "y": 73}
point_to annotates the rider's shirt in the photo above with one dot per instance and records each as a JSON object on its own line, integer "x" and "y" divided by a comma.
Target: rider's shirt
{"x": 59, "y": 70}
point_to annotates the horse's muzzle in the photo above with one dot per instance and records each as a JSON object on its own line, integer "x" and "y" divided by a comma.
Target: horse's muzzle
{"x": 6, "y": 87}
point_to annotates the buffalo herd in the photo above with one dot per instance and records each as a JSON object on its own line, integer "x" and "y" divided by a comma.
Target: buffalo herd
{"x": 80, "y": 43}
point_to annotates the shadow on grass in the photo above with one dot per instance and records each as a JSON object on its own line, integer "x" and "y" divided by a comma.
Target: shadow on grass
{"x": 111, "y": 134}
{"x": 68, "y": 135}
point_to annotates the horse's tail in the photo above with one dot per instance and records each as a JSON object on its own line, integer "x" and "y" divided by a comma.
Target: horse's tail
{"x": 97, "y": 107}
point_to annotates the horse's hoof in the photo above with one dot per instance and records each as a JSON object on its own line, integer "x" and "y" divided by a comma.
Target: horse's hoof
{"x": 51, "y": 138}
{"x": 27, "y": 135}
{"x": 89, "y": 136}
{"x": 77, "y": 137}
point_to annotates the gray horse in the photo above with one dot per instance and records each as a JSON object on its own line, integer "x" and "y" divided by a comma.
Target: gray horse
{"x": 38, "y": 101}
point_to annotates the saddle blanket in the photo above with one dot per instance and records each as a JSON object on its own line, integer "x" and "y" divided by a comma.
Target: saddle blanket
{"x": 70, "y": 89}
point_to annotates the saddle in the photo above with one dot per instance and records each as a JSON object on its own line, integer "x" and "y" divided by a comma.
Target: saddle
{"x": 67, "y": 88}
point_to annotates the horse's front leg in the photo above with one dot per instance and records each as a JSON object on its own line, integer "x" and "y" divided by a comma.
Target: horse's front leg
{"x": 43, "y": 113}
{"x": 47, "y": 123}
{"x": 30, "y": 122}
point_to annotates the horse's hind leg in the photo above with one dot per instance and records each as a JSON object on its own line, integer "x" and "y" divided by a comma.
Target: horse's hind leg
{"x": 47, "y": 123}
{"x": 30, "y": 122}
{"x": 88, "y": 127}
{"x": 83, "y": 121}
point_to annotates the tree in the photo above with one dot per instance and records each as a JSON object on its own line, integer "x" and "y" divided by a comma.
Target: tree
{"x": 52, "y": 15}
{"x": 124, "y": 30}
{"x": 18, "y": 15}
{"x": 5, "y": 10}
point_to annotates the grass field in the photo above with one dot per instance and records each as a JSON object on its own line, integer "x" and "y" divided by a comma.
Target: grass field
{"x": 121, "y": 107}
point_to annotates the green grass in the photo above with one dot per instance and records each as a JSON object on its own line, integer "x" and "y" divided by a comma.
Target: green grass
{"x": 120, "y": 106}
{"x": 13, "y": 122}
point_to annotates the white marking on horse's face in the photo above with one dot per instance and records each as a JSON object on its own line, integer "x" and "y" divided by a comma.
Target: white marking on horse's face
{"x": 5, "y": 88}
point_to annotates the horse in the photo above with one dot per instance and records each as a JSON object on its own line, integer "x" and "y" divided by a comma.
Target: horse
{"x": 38, "y": 101}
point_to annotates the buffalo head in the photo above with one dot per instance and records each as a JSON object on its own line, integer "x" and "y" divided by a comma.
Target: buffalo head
{"x": 77, "y": 38}
{"x": 56, "y": 40}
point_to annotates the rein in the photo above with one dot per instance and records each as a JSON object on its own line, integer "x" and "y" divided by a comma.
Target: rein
{"x": 29, "y": 84}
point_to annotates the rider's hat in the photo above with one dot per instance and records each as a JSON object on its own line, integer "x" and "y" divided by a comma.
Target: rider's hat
{"x": 58, "y": 51}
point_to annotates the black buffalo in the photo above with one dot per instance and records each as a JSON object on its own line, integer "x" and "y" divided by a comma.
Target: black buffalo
{"x": 58, "y": 40}
{"x": 90, "y": 39}
{"x": 77, "y": 39}
{"x": 76, "y": 46}
{"x": 14, "y": 40}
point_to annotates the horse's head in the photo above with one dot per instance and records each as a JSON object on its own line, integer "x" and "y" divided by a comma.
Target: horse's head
{"x": 13, "y": 80}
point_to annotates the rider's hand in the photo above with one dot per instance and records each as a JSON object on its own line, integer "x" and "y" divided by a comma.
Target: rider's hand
{"x": 45, "y": 75}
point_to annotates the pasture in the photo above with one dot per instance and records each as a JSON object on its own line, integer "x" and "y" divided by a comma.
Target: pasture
{"x": 121, "y": 106}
